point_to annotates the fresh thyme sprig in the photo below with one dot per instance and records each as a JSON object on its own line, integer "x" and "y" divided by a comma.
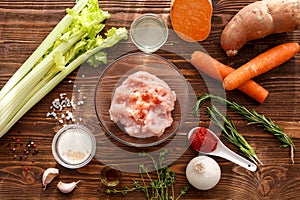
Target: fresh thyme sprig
{"x": 160, "y": 188}
{"x": 231, "y": 133}
{"x": 253, "y": 118}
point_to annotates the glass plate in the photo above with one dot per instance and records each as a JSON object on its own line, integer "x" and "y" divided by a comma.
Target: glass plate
{"x": 117, "y": 72}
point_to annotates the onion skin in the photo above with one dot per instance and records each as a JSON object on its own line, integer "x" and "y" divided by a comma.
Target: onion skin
{"x": 203, "y": 172}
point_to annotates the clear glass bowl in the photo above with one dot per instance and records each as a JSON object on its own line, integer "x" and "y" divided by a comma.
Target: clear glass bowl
{"x": 117, "y": 72}
{"x": 74, "y": 146}
{"x": 149, "y": 32}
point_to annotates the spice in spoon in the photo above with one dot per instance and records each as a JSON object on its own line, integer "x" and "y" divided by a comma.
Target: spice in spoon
{"x": 203, "y": 140}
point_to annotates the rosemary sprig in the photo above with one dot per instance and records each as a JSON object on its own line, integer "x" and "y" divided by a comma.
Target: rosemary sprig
{"x": 160, "y": 188}
{"x": 231, "y": 133}
{"x": 253, "y": 118}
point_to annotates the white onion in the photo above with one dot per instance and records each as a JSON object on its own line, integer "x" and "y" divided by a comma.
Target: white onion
{"x": 203, "y": 172}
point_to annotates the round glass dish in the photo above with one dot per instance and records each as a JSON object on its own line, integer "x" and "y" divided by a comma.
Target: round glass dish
{"x": 149, "y": 32}
{"x": 111, "y": 175}
{"x": 74, "y": 146}
{"x": 117, "y": 72}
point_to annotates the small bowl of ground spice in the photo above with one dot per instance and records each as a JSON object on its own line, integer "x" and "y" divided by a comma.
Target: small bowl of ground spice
{"x": 74, "y": 146}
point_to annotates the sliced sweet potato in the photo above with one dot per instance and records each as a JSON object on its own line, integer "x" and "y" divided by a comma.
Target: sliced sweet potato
{"x": 191, "y": 19}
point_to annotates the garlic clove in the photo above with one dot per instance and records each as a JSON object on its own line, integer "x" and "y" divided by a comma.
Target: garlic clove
{"x": 48, "y": 175}
{"x": 67, "y": 187}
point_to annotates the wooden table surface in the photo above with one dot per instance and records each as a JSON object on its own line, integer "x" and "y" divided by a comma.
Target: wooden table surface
{"x": 24, "y": 25}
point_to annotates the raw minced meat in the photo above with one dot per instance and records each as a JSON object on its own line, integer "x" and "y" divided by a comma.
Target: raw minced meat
{"x": 143, "y": 105}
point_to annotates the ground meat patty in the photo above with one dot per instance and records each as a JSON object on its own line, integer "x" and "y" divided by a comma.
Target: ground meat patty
{"x": 143, "y": 105}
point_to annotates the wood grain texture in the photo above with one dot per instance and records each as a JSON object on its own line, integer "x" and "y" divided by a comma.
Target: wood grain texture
{"x": 24, "y": 25}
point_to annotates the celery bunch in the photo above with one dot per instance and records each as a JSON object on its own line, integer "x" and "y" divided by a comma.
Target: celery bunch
{"x": 74, "y": 40}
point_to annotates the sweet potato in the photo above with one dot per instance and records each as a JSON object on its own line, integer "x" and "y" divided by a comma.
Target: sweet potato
{"x": 191, "y": 19}
{"x": 258, "y": 20}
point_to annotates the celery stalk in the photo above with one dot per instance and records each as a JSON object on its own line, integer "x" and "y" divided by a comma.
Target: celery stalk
{"x": 50, "y": 82}
{"x": 40, "y": 51}
{"x": 76, "y": 42}
{"x": 11, "y": 100}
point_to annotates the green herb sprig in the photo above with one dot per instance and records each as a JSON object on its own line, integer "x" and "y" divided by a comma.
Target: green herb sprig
{"x": 231, "y": 133}
{"x": 253, "y": 118}
{"x": 160, "y": 188}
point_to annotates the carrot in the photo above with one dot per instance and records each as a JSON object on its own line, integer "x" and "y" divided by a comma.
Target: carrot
{"x": 191, "y": 19}
{"x": 212, "y": 67}
{"x": 261, "y": 64}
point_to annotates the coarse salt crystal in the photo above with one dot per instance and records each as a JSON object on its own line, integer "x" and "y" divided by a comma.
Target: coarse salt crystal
{"x": 62, "y": 95}
{"x": 60, "y": 104}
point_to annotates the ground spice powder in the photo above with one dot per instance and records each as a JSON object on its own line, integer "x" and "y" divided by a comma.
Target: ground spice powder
{"x": 203, "y": 140}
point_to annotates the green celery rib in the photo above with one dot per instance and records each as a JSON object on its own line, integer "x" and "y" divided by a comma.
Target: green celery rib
{"x": 40, "y": 51}
{"x": 11, "y": 101}
{"x": 42, "y": 90}
{"x": 12, "y": 112}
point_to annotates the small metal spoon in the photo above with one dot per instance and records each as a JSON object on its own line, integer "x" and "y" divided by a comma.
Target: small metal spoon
{"x": 225, "y": 152}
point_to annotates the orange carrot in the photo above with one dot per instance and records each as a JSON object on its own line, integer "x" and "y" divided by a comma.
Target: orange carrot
{"x": 261, "y": 64}
{"x": 212, "y": 67}
{"x": 191, "y": 19}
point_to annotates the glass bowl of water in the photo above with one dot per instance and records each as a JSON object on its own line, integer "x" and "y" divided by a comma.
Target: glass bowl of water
{"x": 149, "y": 32}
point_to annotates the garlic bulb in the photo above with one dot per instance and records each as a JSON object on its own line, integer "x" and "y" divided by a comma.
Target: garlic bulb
{"x": 203, "y": 172}
{"x": 67, "y": 187}
{"x": 48, "y": 175}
